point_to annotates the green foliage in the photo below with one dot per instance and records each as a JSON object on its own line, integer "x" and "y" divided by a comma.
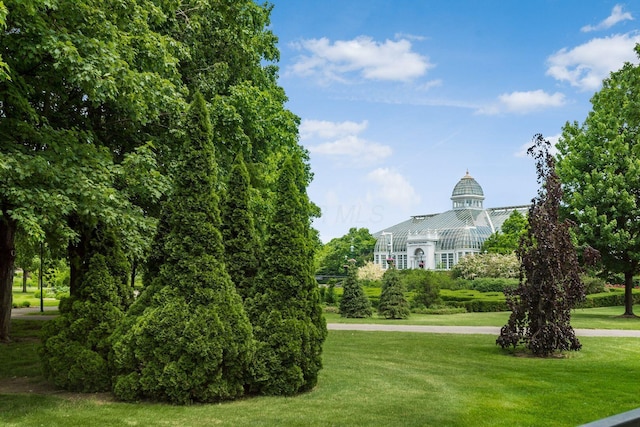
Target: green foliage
{"x": 393, "y": 304}
{"x": 330, "y": 294}
{"x": 354, "y": 302}
{"x": 239, "y": 235}
{"x": 357, "y": 244}
{"x": 593, "y": 285}
{"x": 493, "y": 284}
{"x": 550, "y": 285}
{"x": 284, "y": 307}
{"x": 487, "y": 265}
{"x": 599, "y": 165}
{"x": 426, "y": 285}
{"x": 76, "y": 343}
{"x": 506, "y": 240}
{"x": 187, "y": 338}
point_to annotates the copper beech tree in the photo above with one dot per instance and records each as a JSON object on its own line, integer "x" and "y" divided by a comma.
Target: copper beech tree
{"x": 550, "y": 284}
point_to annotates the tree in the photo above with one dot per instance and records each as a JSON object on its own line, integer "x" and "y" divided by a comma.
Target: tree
{"x": 76, "y": 344}
{"x": 599, "y": 165}
{"x": 284, "y": 306}
{"x": 192, "y": 342}
{"x": 354, "y": 302}
{"x": 239, "y": 235}
{"x": 357, "y": 244}
{"x": 83, "y": 81}
{"x": 427, "y": 287}
{"x": 393, "y": 304}
{"x": 505, "y": 241}
{"x": 550, "y": 284}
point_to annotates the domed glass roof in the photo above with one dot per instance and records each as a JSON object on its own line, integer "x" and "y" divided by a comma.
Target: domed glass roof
{"x": 467, "y": 186}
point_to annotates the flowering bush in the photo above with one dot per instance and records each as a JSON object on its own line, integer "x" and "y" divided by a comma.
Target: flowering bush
{"x": 370, "y": 271}
{"x": 487, "y": 265}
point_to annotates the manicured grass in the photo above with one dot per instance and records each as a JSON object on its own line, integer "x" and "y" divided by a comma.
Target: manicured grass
{"x": 587, "y": 318}
{"x": 19, "y": 297}
{"x": 384, "y": 379}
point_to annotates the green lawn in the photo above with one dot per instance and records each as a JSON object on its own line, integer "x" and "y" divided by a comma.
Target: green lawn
{"x": 587, "y": 318}
{"x": 19, "y": 297}
{"x": 376, "y": 378}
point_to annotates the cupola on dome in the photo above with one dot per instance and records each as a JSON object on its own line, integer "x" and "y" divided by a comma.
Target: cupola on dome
{"x": 467, "y": 186}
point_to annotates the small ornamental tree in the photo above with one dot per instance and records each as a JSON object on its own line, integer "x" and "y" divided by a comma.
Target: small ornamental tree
{"x": 354, "y": 302}
{"x": 239, "y": 234}
{"x": 550, "y": 284}
{"x": 191, "y": 341}
{"x": 284, "y": 307}
{"x": 427, "y": 288}
{"x": 393, "y": 304}
{"x": 76, "y": 344}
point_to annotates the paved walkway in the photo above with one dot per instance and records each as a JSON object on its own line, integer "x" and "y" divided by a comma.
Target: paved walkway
{"x": 32, "y": 313}
{"x": 484, "y": 330}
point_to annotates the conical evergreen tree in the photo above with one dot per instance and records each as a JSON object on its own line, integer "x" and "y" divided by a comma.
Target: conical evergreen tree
{"x": 193, "y": 341}
{"x": 285, "y": 305}
{"x": 354, "y": 302}
{"x": 393, "y": 304}
{"x": 238, "y": 230}
{"x": 76, "y": 344}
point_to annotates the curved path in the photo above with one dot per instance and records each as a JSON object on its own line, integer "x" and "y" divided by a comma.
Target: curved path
{"x": 485, "y": 330}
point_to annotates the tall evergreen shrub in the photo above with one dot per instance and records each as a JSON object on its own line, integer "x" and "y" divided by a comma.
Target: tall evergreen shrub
{"x": 354, "y": 302}
{"x": 191, "y": 341}
{"x": 76, "y": 344}
{"x": 239, "y": 234}
{"x": 285, "y": 305}
{"x": 393, "y": 304}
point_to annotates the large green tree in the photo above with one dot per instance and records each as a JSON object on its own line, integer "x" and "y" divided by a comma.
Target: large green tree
{"x": 84, "y": 79}
{"x": 357, "y": 244}
{"x": 599, "y": 165}
{"x": 192, "y": 342}
{"x": 284, "y": 306}
{"x": 506, "y": 240}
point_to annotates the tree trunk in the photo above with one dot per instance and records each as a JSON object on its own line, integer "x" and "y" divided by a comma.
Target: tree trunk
{"x": 628, "y": 295}
{"x": 7, "y": 258}
{"x": 25, "y": 276}
{"x": 77, "y": 253}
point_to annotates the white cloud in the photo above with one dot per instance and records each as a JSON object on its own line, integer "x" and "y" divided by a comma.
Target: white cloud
{"x": 392, "y": 188}
{"x": 524, "y": 102}
{"x": 341, "y": 140}
{"x": 326, "y": 129}
{"x": 585, "y": 66}
{"x": 334, "y": 61}
{"x": 616, "y": 16}
{"x": 430, "y": 84}
{"x": 357, "y": 150}
{"x": 522, "y": 152}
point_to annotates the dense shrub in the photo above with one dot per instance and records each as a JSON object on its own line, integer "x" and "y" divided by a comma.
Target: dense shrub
{"x": 487, "y": 265}
{"x": 593, "y": 285}
{"x": 426, "y": 288}
{"x": 613, "y": 298}
{"x": 76, "y": 344}
{"x": 284, "y": 305}
{"x": 187, "y": 338}
{"x": 393, "y": 304}
{"x": 488, "y": 284}
{"x": 354, "y": 303}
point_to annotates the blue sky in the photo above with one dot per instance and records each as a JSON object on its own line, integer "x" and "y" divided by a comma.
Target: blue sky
{"x": 399, "y": 98}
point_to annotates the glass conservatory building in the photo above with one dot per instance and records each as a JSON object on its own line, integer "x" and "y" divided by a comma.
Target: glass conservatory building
{"x": 438, "y": 241}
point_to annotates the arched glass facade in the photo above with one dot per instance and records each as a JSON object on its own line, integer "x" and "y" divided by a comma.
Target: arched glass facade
{"x": 438, "y": 241}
